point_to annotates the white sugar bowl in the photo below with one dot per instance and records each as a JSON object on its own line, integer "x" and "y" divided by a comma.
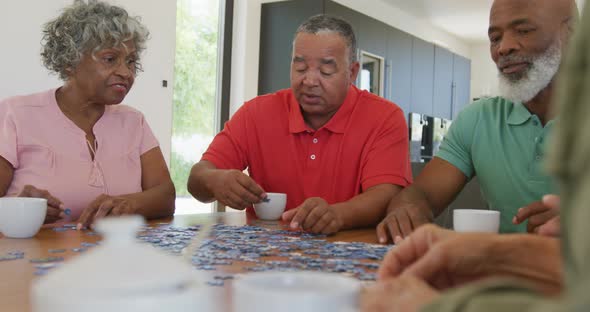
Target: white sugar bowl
{"x": 122, "y": 275}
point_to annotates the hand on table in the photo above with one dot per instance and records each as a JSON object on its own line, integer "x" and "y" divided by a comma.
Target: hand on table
{"x": 106, "y": 205}
{"x": 539, "y": 214}
{"x": 401, "y": 220}
{"x": 314, "y": 215}
{"x": 441, "y": 258}
{"x": 235, "y": 189}
{"x": 406, "y": 293}
{"x": 55, "y": 208}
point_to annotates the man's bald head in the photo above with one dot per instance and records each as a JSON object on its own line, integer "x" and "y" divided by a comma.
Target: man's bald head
{"x": 554, "y": 13}
{"x": 527, "y": 39}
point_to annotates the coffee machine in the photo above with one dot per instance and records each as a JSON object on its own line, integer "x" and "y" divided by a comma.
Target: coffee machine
{"x": 421, "y": 135}
{"x": 439, "y": 131}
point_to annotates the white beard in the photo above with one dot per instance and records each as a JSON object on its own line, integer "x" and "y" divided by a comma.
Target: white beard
{"x": 542, "y": 71}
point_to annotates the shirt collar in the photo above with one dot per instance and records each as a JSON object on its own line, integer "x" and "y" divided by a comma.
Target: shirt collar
{"x": 518, "y": 115}
{"x": 338, "y": 122}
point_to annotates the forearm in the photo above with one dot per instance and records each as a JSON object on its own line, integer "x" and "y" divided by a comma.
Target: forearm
{"x": 6, "y": 174}
{"x": 367, "y": 208}
{"x": 436, "y": 187}
{"x": 414, "y": 196}
{"x": 197, "y": 185}
{"x": 530, "y": 257}
{"x": 156, "y": 202}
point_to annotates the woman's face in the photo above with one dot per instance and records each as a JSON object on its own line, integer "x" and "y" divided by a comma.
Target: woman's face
{"x": 106, "y": 76}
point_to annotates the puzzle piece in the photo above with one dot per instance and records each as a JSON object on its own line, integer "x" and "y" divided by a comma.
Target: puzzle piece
{"x": 47, "y": 259}
{"x": 56, "y": 250}
{"x": 251, "y": 244}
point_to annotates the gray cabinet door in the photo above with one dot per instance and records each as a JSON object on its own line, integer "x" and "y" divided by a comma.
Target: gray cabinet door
{"x": 372, "y": 36}
{"x": 398, "y": 69}
{"x": 352, "y": 17}
{"x": 279, "y": 21}
{"x": 462, "y": 80}
{"x": 443, "y": 83}
{"x": 422, "y": 77}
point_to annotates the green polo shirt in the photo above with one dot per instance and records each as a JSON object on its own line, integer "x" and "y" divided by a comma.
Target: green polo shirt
{"x": 502, "y": 144}
{"x": 568, "y": 160}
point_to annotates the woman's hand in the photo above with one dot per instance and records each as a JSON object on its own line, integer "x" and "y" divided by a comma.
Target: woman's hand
{"x": 106, "y": 205}
{"x": 55, "y": 208}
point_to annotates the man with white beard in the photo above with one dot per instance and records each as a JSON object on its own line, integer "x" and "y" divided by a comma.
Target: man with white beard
{"x": 500, "y": 140}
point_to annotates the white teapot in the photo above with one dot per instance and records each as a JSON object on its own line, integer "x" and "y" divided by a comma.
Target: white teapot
{"x": 122, "y": 275}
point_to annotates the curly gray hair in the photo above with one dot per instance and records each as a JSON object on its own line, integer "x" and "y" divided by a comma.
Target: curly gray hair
{"x": 88, "y": 27}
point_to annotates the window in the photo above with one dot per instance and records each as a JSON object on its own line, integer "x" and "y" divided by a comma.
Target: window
{"x": 195, "y": 112}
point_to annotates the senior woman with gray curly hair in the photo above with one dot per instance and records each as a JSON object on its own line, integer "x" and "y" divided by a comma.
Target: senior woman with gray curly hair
{"x": 73, "y": 145}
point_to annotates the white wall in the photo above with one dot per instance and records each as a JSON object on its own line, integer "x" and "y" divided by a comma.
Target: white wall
{"x": 246, "y": 39}
{"x": 484, "y": 74}
{"x": 22, "y": 71}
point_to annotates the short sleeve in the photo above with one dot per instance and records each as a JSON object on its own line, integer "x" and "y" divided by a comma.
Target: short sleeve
{"x": 148, "y": 139}
{"x": 456, "y": 145}
{"x": 499, "y": 294}
{"x": 228, "y": 150}
{"x": 387, "y": 161}
{"x": 8, "y": 135}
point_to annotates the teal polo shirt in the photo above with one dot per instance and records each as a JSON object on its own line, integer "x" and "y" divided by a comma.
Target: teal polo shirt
{"x": 503, "y": 144}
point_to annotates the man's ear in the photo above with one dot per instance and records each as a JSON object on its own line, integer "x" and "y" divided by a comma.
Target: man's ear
{"x": 570, "y": 23}
{"x": 354, "y": 71}
{"x": 566, "y": 31}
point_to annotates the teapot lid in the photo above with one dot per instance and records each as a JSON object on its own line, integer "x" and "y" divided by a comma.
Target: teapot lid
{"x": 119, "y": 265}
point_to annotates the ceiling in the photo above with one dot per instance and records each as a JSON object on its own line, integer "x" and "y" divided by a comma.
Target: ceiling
{"x": 466, "y": 19}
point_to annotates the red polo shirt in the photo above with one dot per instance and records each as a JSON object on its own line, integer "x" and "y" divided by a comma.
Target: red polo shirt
{"x": 363, "y": 145}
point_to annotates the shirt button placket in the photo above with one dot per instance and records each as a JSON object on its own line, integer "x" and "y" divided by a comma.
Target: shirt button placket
{"x": 314, "y": 151}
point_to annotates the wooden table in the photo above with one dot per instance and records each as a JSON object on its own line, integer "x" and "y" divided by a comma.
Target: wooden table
{"x": 16, "y": 276}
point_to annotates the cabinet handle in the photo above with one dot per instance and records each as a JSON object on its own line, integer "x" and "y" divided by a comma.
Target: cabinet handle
{"x": 388, "y": 86}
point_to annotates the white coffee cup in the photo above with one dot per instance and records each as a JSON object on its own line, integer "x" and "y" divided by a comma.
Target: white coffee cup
{"x": 476, "y": 220}
{"x": 272, "y": 207}
{"x": 295, "y": 292}
{"x": 21, "y": 217}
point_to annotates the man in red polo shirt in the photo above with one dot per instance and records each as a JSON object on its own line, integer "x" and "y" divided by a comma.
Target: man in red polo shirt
{"x": 339, "y": 153}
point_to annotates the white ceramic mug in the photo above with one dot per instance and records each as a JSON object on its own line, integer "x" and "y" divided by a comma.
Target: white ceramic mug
{"x": 21, "y": 217}
{"x": 295, "y": 292}
{"x": 476, "y": 220}
{"x": 272, "y": 208}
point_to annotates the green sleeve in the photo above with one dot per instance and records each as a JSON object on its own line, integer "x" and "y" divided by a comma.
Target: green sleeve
{"x": 506, "y": 296}
{"x": 456, "y": 145}
{"x": 492, "y": 296}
